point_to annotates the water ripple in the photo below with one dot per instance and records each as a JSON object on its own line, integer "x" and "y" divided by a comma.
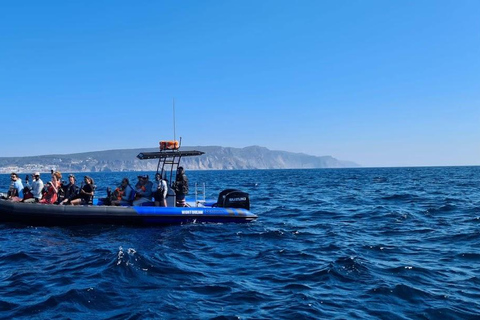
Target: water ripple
{"x": 388, "y": 243}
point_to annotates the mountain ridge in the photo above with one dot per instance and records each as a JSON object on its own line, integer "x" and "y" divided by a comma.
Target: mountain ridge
{"x": 215, "y": 158}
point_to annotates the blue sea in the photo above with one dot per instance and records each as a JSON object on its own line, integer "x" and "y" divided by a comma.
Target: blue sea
{"x": 365, "y": 243}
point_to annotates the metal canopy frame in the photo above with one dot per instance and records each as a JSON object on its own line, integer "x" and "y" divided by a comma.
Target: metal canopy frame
{"x": 168, "y": 158}
{"x": 168, "y": 154}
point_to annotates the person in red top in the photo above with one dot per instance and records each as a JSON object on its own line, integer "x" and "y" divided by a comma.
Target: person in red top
{"x": 57, "y": 183}
{"x": 50, "y": 197}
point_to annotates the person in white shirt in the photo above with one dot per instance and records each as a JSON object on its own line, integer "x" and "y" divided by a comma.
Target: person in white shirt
{"x": 37, "y": 186}
{"x": 159, "y": 191}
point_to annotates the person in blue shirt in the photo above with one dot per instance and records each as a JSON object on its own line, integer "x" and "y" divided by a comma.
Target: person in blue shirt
{"x": 143, "y": 190}
{"x": 123, "y": 194}
{"x": 15, "y": 192}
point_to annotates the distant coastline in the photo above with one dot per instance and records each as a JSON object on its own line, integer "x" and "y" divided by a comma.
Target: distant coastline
{"x": 215, "y": 158}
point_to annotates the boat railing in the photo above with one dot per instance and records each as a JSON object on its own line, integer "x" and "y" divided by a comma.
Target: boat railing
{"x": 202, "y": 192}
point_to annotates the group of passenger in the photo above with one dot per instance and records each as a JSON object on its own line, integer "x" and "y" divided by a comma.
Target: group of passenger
{"x": 144, "y": 191}
{"x": 56, "y": 191}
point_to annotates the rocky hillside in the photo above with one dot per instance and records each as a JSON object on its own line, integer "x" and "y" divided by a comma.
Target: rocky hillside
{"x": 215, "y": 158}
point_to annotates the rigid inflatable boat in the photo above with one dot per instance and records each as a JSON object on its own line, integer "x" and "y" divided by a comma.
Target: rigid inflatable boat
{"x": 231, "y": 206}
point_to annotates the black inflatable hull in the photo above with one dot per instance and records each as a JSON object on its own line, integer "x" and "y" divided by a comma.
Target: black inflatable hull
{"x": 41, "y": 214}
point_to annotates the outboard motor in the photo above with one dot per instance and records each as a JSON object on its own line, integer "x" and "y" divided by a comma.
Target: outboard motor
{"x": 233, "y": 198}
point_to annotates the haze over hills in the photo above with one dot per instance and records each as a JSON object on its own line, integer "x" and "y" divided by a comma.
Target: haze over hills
{"x": 215, "y": 158}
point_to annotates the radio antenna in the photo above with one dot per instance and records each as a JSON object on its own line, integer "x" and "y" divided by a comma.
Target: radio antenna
{"x": 174, "y": 135}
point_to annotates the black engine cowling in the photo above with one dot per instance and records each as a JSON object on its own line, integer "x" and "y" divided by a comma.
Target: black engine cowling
{"x": 233, "y": 198}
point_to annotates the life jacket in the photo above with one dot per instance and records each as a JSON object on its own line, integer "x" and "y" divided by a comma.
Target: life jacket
{"x": 169, "y": 145}
{"x": 118, "y": 193}
{"x": 138, "y": 196}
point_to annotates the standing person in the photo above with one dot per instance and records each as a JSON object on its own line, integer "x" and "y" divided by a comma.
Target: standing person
{"x": 143, "y": 189}
{"x": 37, "y": 187}
{"x": 71, "y": 189}
{"x": 124, "y": 194}
{"x": 181, "y": 187}
{"x": 86, "y": 193}
{"x": 159, "y": 190}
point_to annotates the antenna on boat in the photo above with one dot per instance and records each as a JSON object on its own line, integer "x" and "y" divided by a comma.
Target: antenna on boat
{"x": 174, "y": 135}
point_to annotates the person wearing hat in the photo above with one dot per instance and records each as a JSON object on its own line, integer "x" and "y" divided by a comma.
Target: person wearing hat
{"x": 37, "y": 187}
{"x": 143, "y": 190}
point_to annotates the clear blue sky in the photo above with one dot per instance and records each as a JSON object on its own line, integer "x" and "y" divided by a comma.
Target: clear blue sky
{"x": 381, "y": 83}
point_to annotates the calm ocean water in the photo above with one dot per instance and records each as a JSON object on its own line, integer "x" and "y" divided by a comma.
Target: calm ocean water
{"x": 389, "y": 243}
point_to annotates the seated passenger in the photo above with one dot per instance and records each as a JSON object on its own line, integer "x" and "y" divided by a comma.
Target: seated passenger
{"x": 159, "y": 191}
{"x": 37, "y": 186}
{"x": 85, "y": 196}
{"x": 15, "y": 192}
{"x": 70, "y": 190}
{"x": 143, "y": 190}
{"x": 50, "y": 196}
{"x": 57, "y": 184}
{"x": 56, "y": 179}
{"x": 122, "y": 195}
